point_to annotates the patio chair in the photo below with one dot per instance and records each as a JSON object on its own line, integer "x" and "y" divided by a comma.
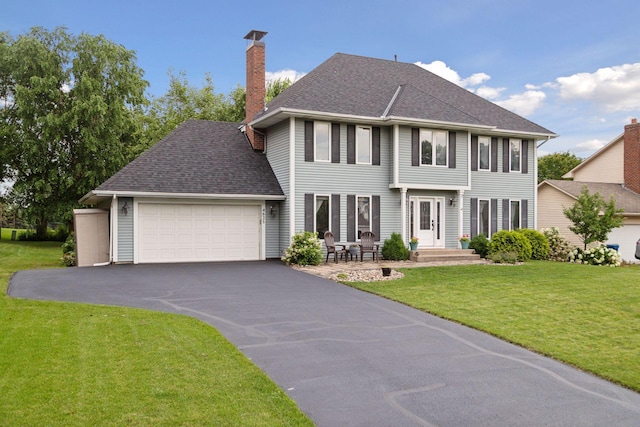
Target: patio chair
{"x": 330, "y": 243}
{"x": 368, "y": 245}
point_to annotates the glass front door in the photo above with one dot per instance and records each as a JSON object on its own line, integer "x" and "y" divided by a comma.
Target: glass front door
{"x": 427, "y": 221}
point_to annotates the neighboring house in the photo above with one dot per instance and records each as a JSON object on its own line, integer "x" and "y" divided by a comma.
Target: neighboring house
{"x": 613, "y": 171}
{"x": 357, "y": 144}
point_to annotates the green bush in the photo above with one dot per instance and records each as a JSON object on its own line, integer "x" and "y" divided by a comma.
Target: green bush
{"x": 559, "y": 247}
{"x": 599, "y": 255}
{"x": 57, "y": 235}
{"x": 394, "y": 248}
{"x": 480, "y": 244}
{"x": 510, "y": 241}
{"x": 504, "y": 257}
{"x": 69, "y": 251}
{"x": 539, "y": 243}
{"x": 306, "y": 249}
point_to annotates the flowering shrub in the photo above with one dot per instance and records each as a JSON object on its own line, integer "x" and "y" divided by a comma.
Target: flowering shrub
{"x": 414, "y": 239}
{"x": 599, "y": 255}
{"x": 464, "y": 238}
{"x": 306, "y": 249}
{"x": 559, "y": 247}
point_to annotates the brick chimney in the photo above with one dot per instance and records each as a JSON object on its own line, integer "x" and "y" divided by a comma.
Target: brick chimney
{"x": 256, "y": 89}
{"x": 632, "y": 156}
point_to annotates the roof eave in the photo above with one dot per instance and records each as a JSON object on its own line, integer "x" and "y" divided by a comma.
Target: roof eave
{"x": 96, "y": 195}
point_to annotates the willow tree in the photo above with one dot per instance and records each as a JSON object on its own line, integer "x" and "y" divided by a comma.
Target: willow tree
{"x": 66, "y": 116}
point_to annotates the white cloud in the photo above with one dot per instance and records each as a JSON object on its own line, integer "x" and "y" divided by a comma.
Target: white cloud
{"x": 524, "y": 103}
{"x": 443, "y": 70}
{"x": 591, "y": 145}
{"x": 615, "y": 88}
{"x": 489, "y": 92}
{"x": 287, "y": 73}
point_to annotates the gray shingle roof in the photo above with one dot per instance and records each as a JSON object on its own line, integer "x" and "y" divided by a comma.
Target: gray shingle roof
{"x": 200, "y": 157}
{"x": 361, "y": 86}
{"x": 625, "y": 199}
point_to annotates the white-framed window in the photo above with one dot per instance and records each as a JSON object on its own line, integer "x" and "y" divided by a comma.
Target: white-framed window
{"x": 484, "y": 153}
{"x": 434, "y": 147}
{"x": 363, "y": 214}
{"x": 514, "y": 215}
{"x": 515, "y": 154}
{"x": 322, "y": 141}
{"x": 363, "y": 145}
{"x": 322, "y": 215}
{"x": 484, "y": 217}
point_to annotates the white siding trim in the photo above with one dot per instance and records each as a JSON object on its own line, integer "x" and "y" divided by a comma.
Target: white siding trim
{"x": 403, "y": 214}
{"x": 113, "y": 238}
{"x": 292, "y": 177}
{"x": 396, "y": 150}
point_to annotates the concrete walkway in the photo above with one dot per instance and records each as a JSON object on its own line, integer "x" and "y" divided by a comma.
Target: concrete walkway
{"x": 349, "y": 358}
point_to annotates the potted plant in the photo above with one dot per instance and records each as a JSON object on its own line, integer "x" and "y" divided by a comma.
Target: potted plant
{"x": 413, "y": 243}
{"x": 464, "y": 241}
{"x": 386, "y": 271}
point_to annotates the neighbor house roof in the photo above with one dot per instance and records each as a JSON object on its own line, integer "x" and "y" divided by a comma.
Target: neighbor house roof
{"x": 199, "y": 157}
{"x": 625, "y": 199}
{"x": 356, "y": 86}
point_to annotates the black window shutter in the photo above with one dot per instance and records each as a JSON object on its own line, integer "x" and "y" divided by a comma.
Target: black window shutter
{"x": 309, "y": 213}
{"x": 505, "y": 155}
{"x": 335, "y": 216}
{"x": 474, "y": 217}
{"x": 351, "y": 217}
{"x": 308, "y": 141}
{"x": 494, "y": 216}
{"x": 452, "y": 150}
{"x": 375, "y": 145}
{"x": 375, "y": 214}
{"x": 351, "y": 144}
{"x": 506, "y": 218}
{"x": 524, "y": 213}
{"x": 525, "y": 156}
{"x": 335, "y": 142}
{"x": 415, "y": 147}
{"x": 494, "y": 154}
{"x": 474, "y": 152}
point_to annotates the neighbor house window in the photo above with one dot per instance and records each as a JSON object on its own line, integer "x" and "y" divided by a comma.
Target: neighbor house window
{"x": 322, "y": 215}
{"x": 433, "y": 147}
{"x": 363, "y": 145}
{"x": 484, "y": 215}
{"x": 515, "y": 215}
{"x": 515, "y": 154}
{"x": 363, "y": 214}
{"x": 484, "y": 152}
{"x": 322, "y": 138}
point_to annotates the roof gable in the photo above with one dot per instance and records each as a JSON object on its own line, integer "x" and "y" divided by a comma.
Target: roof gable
{"x": 199, "y": 157}
{"x": 625, "y": 199}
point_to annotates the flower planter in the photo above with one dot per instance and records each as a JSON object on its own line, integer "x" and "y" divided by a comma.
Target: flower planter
{"x": 413, "y": 246}
{"x": 464, "y": 244}
{"x": 386, "y": 271}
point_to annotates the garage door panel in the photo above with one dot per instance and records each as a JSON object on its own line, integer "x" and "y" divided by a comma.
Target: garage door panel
{"x": 183, "y": 232}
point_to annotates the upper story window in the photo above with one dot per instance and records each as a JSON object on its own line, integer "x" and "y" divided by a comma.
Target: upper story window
{"x": 322, "y": 139}
{"x": 484, "y": 153}
{"x": 433, "y": 147}
{"x": 363, "y": 145}
{"x": 515, "y": 154}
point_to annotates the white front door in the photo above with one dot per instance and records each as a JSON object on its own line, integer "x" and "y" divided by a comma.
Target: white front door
{"x": 427, "y": 221}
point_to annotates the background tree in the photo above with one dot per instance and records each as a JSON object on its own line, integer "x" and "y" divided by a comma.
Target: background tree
{"x": 554, "y": 165}
{"x": 67, "y": 109}
{"x": 276, "y": 87}
{"x": 593, "y": 218}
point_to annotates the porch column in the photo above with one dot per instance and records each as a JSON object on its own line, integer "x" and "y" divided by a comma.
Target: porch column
{"x": 460, "y": 213}
{"x": 403, "y": 213}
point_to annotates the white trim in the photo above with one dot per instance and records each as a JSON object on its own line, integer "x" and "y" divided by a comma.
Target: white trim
{"x": 429, "y": 186}
{"x": 292, "y": 177}
{"x": 315, "y": 210}
{"x": 461, "y": 213}
{"x": 113, "y": 237}
{"x": 357, "y": 223}
{"x": 434, "y": 200}
{"x": 315, "y": 141}
{"x": 403, "y": 214}
{"x": 488, "y": 169}
{"x": 393, "y": 99}
{"x": 519, "y": 141}
{"x": 434, "y": 159}
{"x": 396, "y": 151}
{"x": 106, "y": 193}
{"x": 136, "y": 243}
{"x": 370, "y": 142}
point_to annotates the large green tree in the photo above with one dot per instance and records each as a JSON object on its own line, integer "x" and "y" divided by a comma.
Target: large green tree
{"x": 593, "y": 217}
{"x": 66, "y": 116}
{"x": 554, "y": 165}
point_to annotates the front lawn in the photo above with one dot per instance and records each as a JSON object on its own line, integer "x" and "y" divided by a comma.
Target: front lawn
{"x": 587, "y": 316}
{"x": 78, "y": 364}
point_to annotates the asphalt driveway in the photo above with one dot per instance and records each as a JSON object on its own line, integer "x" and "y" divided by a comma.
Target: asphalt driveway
{"x": 349, "y": 358}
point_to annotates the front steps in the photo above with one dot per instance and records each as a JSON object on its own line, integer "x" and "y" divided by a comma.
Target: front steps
{"x": 444, "y": 255}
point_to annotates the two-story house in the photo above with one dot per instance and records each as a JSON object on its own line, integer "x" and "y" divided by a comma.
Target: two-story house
{"x": 357, "y": 144}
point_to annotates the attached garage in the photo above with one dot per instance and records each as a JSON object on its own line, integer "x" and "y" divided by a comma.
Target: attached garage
{"x": 170, "y": 232}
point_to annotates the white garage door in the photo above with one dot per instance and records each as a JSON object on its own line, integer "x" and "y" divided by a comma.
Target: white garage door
{"x": 192, "y": 232}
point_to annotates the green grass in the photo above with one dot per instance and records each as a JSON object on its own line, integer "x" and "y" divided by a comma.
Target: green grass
{"x": 78, "y": 364}
{"x": 587, "y": 316}
{"x": 5, "y": 233}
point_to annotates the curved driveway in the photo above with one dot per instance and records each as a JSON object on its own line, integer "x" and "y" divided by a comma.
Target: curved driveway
{"x": 349, "y": 358}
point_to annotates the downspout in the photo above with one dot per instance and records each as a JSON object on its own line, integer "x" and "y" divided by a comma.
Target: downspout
{"x": 403, "y": 213}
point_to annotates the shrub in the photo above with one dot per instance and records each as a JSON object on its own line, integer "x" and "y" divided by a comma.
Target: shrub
{"x": 68, "y": 259}
{"x": 57, "y": 235}
{"x": 69, "y": 251}
{"x": 306, "y": 249}
{"x": 539, "y": 243}
{"x": 599, "y": 255}
{"x": 510, "y": 241}
{"x": 480, "y": 244}
{"x": 394, "y": 248}
{"x": 559, "y": 247}
{"x": 503, "y": 257}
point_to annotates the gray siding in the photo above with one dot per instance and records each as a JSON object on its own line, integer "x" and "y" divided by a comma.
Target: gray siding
{"x": 278, "y": 156}
{"x": 272, "y": 229}
{"x": 125, "y": 230}
{"x": 433, "y": 175}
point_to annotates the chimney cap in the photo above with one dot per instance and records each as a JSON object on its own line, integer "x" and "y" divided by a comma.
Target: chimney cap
{"x": 255, "y": 35}
{"x": 634, "y": 121}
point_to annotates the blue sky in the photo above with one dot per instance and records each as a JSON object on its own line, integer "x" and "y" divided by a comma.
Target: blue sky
{"x": 570, "y": 66}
